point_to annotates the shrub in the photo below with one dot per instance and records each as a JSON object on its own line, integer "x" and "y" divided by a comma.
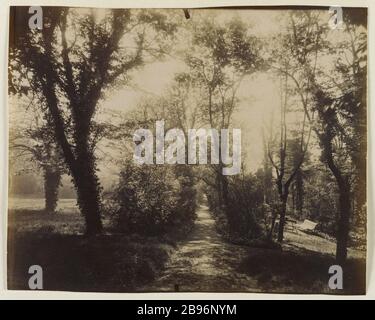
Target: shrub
{"x": 243, "y": 217}
{"x": 153, "y": 199}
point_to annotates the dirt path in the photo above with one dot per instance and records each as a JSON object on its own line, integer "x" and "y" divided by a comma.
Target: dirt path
{"x": 204, "y": 262}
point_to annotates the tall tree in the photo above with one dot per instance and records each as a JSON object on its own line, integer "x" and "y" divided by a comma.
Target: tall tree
{"x": 286, "y": 168}
{"x": 221, "y": 56}
{"x": 36, "y": 146}
{"x": 70, "y": 63}
{"x": 334, "y": 100}
{"x": 298, "y": 183}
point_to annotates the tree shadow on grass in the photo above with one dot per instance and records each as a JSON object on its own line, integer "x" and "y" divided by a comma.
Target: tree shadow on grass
{"x": 298, "y": 270}
{"x": 107, "y": 263}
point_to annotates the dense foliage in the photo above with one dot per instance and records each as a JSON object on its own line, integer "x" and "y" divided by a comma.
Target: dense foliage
{"x": 153, "y": 200}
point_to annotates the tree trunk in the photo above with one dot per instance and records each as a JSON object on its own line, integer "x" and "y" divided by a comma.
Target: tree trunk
{"x": 272, "y": 228}
{"x": 280, "y": 236}
{"x": 219, "y": 191}
{"x": 88, "y": 190}
{"x": 52, "y": 179}
{"x": 342, "y": 234}
{"x": 299, "y": 192}
{"x": 88, "y": 202}
{"x": 225, "y": 191}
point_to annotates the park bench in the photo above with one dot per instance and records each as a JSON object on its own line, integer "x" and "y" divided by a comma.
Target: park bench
{"x": 307, "y": 225}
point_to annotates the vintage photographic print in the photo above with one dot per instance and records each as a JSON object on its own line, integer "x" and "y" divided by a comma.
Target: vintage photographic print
{"x": 187, "y": 150}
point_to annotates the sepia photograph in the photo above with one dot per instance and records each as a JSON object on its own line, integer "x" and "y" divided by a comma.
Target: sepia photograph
{"x": 187, "y": 150}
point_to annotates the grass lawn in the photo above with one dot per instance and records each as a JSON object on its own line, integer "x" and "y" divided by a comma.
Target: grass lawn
{"x": 73, "y": 262}
{"x": 301, "y": 271}
{"x": 125, "y": 263}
